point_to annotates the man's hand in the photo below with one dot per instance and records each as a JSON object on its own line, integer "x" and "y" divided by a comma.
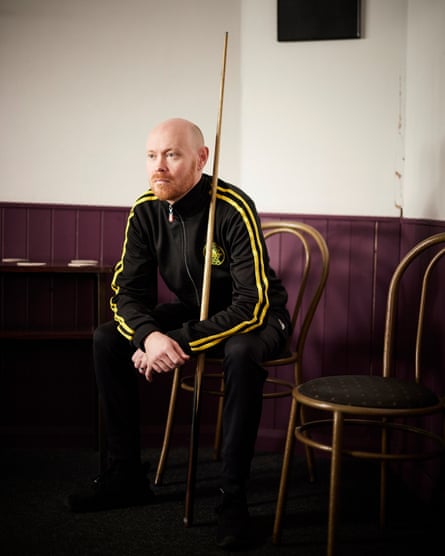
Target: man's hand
{"x": 162, "y": 355}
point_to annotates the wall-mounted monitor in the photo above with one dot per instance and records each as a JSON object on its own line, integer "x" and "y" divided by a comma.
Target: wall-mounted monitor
{"x": 316, "y": 20}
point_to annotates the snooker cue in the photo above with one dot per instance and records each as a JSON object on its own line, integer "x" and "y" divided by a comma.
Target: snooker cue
{"x": 200, "y": 364}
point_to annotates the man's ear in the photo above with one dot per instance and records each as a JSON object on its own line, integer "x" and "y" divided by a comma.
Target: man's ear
{"x": 203, "y": 156}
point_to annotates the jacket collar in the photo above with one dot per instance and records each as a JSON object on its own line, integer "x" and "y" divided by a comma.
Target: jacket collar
{"x": 196, "y": 199}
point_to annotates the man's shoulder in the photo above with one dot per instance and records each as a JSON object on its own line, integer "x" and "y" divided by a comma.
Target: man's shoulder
{"x": 148, "y": 198}
{"x": 234, "y": 191}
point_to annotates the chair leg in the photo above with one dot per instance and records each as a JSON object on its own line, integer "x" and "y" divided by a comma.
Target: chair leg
{"x": 288, "y": 451}
{"x": 337, "y": 443}
{"x": 310, "y": 461}
{"x": 383, "y": 476}
{"x": 218, "y": 429}
{"x": 168, "y": 427}
{"x": 194, "y": 437}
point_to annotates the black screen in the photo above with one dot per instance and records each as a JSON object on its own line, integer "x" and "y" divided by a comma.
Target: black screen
{"x": 312, "y": 20}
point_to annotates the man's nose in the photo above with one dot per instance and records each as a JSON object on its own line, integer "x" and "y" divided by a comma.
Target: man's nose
{"x": 161, "y": 163}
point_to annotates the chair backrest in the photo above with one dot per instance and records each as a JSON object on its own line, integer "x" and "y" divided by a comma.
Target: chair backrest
{"x": 417, "y": 267}
{"x": 302, "y": 256}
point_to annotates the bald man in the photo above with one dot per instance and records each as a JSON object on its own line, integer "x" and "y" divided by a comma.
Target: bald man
{"x": 247, "y": 320}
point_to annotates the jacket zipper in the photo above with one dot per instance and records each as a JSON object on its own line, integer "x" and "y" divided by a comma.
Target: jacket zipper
{"x": 185, "y": 260}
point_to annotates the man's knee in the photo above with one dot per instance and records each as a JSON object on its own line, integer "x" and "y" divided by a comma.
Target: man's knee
{"x": 104, "y": 333}
{"x": 243, "y": 347}
{"x": 243, "y": 358}
{"x": 107, "y": 339}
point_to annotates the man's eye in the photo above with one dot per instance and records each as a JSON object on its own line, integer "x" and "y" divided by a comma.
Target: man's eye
{"x": 171, "y": 154}
{"x": 150, "y": 156}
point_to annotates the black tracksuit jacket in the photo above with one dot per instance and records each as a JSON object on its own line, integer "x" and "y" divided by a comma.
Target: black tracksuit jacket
{"x": 244, "y": 290}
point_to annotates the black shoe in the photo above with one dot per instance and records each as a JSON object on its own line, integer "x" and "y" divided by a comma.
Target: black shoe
{"x": 233, "y": 522}
{"x": 118, "y": 487}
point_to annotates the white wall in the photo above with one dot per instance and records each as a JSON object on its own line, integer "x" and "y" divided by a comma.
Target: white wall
{"x": 322, "y": 127}
{"x": 424, "y": 191}
{"x": 83, "y": 81}
{"x": 329, "y": 111}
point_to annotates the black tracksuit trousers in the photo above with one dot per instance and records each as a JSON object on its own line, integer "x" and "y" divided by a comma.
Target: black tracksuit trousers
{"x": 118, "y": 383}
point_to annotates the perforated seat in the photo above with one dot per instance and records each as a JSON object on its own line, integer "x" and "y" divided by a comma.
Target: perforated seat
{"x": 368, "y": 391}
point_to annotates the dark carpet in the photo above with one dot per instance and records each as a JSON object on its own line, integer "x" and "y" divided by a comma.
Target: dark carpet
{"x": 35, "y": 522}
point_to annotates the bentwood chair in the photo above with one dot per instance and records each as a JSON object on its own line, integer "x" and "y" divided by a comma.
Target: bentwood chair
{"x": 304, "y": 267}
{"x": 404, "y": 405}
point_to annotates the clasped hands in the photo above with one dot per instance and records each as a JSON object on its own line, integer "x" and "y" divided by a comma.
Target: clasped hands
{"x": 162, "y": 354}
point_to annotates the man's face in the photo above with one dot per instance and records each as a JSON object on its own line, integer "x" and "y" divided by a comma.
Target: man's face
{"x": 174, "y": 161}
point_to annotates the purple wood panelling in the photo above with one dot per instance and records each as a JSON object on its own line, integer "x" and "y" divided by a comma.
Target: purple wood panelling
{"x": 386, "y": 257}
{"x": 348, "y": 328}
{"x": 64, "y": 245}
{"x": 40, "y": 234}
{"x": 113, "y": 228}
{"x": 14, "y": 228}
{"x": 59, "y": 233}
{"x": 347, "y": 332}
{"x": 336, "y": 348}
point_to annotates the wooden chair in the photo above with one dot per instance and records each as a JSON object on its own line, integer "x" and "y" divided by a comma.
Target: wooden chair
{"x": 394, "y": 403}
{"x": 304, "y": 272}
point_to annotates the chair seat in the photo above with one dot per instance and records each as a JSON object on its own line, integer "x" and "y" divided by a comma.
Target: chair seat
{"x": 369, "y": 391}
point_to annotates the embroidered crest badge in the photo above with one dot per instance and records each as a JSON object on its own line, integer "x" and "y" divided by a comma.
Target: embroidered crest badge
{"x": 218, "y": 255}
